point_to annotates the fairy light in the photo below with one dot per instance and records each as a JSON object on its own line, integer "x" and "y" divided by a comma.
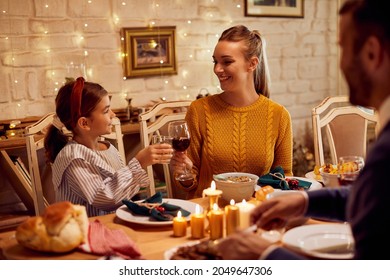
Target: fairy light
{"x": 46, "y": 6}
{"x": 189, "y": 21}
{"x": 123, "y": 3}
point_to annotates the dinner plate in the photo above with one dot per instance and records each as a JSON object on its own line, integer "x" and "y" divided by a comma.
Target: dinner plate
{"x": 327, "y": 241}
{"x": 169, "y": 253}
{"x": 311, "y": 175}
{"x": 315, "y": 185}
{"x": 125, "y": 214}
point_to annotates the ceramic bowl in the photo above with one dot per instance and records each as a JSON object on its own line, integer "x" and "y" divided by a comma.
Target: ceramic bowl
{"x": 232, "y": 188}
{"x": 329, "y": 180}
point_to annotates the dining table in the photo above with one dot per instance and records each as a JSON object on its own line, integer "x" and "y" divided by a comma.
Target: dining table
{"x": 152, "y": 241}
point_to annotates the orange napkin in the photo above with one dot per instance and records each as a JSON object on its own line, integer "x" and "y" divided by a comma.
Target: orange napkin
{"x": 109, "y": 242}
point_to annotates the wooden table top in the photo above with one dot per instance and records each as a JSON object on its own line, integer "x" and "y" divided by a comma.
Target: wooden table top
{"x": 152, "y": 241}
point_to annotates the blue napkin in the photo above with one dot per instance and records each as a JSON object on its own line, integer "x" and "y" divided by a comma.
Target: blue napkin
{"x": 167, "y": 215}
{"x": 276, "y": 183}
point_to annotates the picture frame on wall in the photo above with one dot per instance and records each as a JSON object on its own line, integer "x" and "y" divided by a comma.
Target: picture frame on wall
{"x": 274, "y": 8}
{"x": 149, "y": 51}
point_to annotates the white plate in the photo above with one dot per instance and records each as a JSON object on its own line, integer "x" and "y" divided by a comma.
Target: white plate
{"x": 315, "y": 185}
{"x": 328, "y": 241}
{"x": 125, "y": 214}
{"x": 169, "y": 253}
{"x": 311, "y": 175}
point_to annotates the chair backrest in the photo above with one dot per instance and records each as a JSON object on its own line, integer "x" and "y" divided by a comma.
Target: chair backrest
{"x": 346, "y": 128}
{"x": 41, "y": 184}
{"x": 153, "y": 122}
{"x": 35, "y": 142}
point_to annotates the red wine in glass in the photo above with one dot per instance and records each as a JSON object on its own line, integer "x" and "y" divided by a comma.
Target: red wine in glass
{"x": 180, "y": 134}
{"x": 180, "y": 144}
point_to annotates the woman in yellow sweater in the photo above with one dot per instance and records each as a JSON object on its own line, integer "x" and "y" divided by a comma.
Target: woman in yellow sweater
{"x": 240, "y": 129}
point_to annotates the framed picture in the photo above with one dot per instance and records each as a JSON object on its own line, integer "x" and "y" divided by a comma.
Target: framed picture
{"x": 148, "y": 51}
{"x": 274, "y": 8}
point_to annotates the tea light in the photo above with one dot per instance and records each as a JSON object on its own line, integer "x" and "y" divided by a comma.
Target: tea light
{"x": 232, "y": 217}
{"x": 245, "y": 210}
{"x": 212, "y": 193}
{"x": 216, "y": 223}
{"x": 179, "y": 225}
{"x": 197, "y": 223}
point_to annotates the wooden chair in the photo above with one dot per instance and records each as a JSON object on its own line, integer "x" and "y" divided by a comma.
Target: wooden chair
{"x": 346, "y": 129}
{"x": 41, "y": 184}
{"x": 155, "y": 122}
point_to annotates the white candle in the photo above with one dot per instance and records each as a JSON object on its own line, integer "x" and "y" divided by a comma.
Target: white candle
{"x": 212, "y": 191}
{"x": 245, "y": 210}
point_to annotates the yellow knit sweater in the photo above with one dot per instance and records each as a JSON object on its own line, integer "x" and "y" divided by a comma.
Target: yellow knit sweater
{"x": 252, "y": 139}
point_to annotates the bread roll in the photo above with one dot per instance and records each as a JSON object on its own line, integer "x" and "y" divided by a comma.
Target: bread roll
{"x": 61, "y": 228}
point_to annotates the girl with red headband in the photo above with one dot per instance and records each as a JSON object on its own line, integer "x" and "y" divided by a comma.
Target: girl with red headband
{"x": 87, "y": 171}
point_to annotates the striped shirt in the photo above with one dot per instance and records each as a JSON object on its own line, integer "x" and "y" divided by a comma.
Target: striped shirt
{"x": 99, "y": 180}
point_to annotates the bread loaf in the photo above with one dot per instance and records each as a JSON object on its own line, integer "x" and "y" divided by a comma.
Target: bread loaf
{"x": 61, "y": 228}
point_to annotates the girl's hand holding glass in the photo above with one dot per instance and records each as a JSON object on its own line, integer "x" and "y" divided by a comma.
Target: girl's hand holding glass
{"x": 164, "y": 152}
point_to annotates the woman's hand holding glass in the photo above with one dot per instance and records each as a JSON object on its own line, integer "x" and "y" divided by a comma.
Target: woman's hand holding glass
{"x": 180, "y": 134}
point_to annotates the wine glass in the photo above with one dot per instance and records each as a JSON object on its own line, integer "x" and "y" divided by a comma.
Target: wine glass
{"x": 180, "y": 134}
{"x": 162, "y": 139}
{"x": 349, "y": 168}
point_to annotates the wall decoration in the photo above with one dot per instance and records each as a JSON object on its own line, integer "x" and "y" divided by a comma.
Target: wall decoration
{"x": 149, "y": 51}
{"x": 274, "y": 8}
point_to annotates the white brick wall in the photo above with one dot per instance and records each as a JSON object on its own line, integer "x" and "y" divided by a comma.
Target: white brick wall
{"x": 38, "y": 46}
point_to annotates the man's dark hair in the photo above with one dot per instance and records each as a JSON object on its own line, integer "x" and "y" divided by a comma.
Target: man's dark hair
{"x": 370, "y": 18}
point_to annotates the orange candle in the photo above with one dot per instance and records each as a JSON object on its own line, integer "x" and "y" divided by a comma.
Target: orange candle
{"x": 197, "y": 223}
{"x": 245, "y": 210}
{"x": 232, "y": 214}
{"x": 179, "y": 225}
{"x": 216, "y": 223}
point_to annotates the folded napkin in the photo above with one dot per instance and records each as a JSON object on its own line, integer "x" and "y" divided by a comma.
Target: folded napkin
{"x": 277, "y": 183}
{"x": 155, "y": 208}
{"x": 110, "y": 242}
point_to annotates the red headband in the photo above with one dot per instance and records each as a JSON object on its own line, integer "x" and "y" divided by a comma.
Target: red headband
{"x": 75, "y": 100}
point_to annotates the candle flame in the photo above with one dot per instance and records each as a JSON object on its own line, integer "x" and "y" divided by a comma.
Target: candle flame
{"x": 232, "y": 202}
{"x": 215, "y": 206}
{"x": 197, "y": 209}
{"x": 179, "y": 214}
{"x": 244, "y": 201}
{"x": 213, "y": 187}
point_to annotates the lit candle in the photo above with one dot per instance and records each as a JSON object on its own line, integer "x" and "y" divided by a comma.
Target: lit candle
{"x": 213, "y": 194}
{"x": 232, "y": 217}
{"x": 216, "y": 223}
{"x": 179, "y": 225}
{"x": 245, "y": 210}
{"x": 197, "y": 223}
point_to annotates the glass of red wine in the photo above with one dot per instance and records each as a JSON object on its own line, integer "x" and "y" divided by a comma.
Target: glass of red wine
{"x": 349, "y": 168}
{"x": 180, "y": 134}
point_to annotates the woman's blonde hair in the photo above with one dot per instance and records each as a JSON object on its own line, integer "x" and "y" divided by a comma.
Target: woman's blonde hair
{"x": 254, "y": 47}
